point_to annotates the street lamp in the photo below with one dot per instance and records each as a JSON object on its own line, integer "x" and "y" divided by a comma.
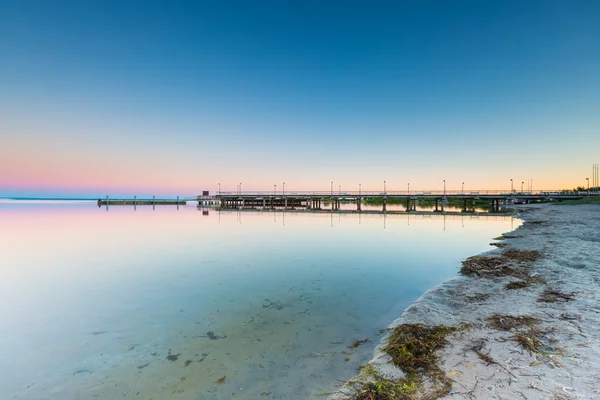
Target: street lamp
{"x": 384, "y": 189}
{"x": 588, "y": 182}
{"x": 275, "y": 190}
{"x": 359, "y": 189}
{"x": 331, "y": 188}
{"x": 339, "y": 190}
{"x": 463, "y": 188}
{"x": 409, "y": 189}
{"x": 240, "y": 188}
{"x": 444, "y": 188}
{"x": 511, "y": 186}
{"x": 283, "y": 189}
{"x": 522, "y": 186}
{"x": 219, "y": 188}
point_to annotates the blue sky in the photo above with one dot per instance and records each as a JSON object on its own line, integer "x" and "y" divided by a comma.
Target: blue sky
{"x": 103, "y": 97}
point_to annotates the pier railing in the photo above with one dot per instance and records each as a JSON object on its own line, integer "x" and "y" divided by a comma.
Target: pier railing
{"x": 337, "y": 193}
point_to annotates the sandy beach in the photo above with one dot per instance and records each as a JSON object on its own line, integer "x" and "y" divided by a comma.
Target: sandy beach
{"x": 527, "y": 315}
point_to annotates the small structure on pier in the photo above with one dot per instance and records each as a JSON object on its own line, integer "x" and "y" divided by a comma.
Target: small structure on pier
{"x": 206, "y": 200}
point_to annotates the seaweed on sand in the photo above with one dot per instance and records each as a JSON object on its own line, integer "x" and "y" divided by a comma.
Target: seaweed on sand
{"x": 413, "y": 348}
{"x": 478, "y": 297}
{"x": 525, "y": 256}
{"x": 529, "y": 340}
{"x": 505, "y": 236}
{"x": 507, "y": 322}
{"x": 384, "y": 390}
{"x": 525, "y": 327}
{"x": 478, "y": 349}
{"x": 503, "y": 265}
{"x": 517, "y": 285}
{"x": 554, "y": 296}
{"x": 475, "y": 265}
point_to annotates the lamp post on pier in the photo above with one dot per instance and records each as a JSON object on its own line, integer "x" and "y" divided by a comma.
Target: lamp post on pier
{"x": 275, "y": 190}
{"x": 339, "y": 190}
{"x": 331, "y": 188}
{"x": 359, "y": 189}
{"x": 409, "y": 189}
{"x": 219, "y": 188}
{"x": 522, "y": 186}
{"x": 444, "y": 188}
{"x": 511, "y": 186}
{"x": 240, "y": 188}
{"x": 462, "y": 190}
{"x": 588, "y": 183}
{"x": 384, "y": 189}
{"x": 283, "y": 192}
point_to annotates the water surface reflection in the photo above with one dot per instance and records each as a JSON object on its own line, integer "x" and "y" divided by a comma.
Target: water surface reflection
{"x": 147, "y": 304}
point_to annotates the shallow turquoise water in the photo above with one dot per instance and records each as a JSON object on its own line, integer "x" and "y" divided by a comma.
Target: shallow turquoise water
{"x": 162, "y": 304}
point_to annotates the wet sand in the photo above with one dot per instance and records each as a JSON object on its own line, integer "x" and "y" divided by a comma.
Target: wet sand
{"x": 563, "y": 299}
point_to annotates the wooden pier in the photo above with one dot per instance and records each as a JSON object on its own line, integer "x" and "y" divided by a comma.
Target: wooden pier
{"x": 409, "y": 200}
{"x": 140, "y": 202}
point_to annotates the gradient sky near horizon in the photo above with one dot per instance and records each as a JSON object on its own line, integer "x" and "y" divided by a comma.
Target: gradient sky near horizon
{"x": 170, "y": 98}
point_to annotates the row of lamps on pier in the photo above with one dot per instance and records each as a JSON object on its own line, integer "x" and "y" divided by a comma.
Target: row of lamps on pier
{"x": 239, "y": 187}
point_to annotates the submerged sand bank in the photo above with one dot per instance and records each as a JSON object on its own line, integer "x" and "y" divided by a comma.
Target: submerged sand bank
{"x": 486, "y": 360}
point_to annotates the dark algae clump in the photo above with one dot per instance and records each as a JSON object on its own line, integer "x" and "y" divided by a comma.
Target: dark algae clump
{"x": 511, "y": 262}
{"x": 508, "y": 322}
{"x": 357, "y": 343}
{"x": 522, "y": 255}
{"x": 413, "y": 348}
{"x": 211, "y": 335}
{"x": 172, "y": 357}
{"x": 555, "y": 296}
{"x": 525, "y": 327}
{"x": 517, "y": 285}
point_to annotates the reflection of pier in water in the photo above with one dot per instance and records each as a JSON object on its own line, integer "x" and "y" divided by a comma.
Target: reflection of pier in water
{"x": 280, "y": 214}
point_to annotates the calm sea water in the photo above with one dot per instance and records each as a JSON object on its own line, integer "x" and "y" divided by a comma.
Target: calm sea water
{"x": 144, "y": 304}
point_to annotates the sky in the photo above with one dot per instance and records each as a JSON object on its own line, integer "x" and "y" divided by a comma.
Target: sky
{"x": 170, "y": 98}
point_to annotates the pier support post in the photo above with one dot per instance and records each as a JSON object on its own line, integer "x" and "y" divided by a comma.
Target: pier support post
{"x": 384, "y": 204}
{"x": 436, "y": 204}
